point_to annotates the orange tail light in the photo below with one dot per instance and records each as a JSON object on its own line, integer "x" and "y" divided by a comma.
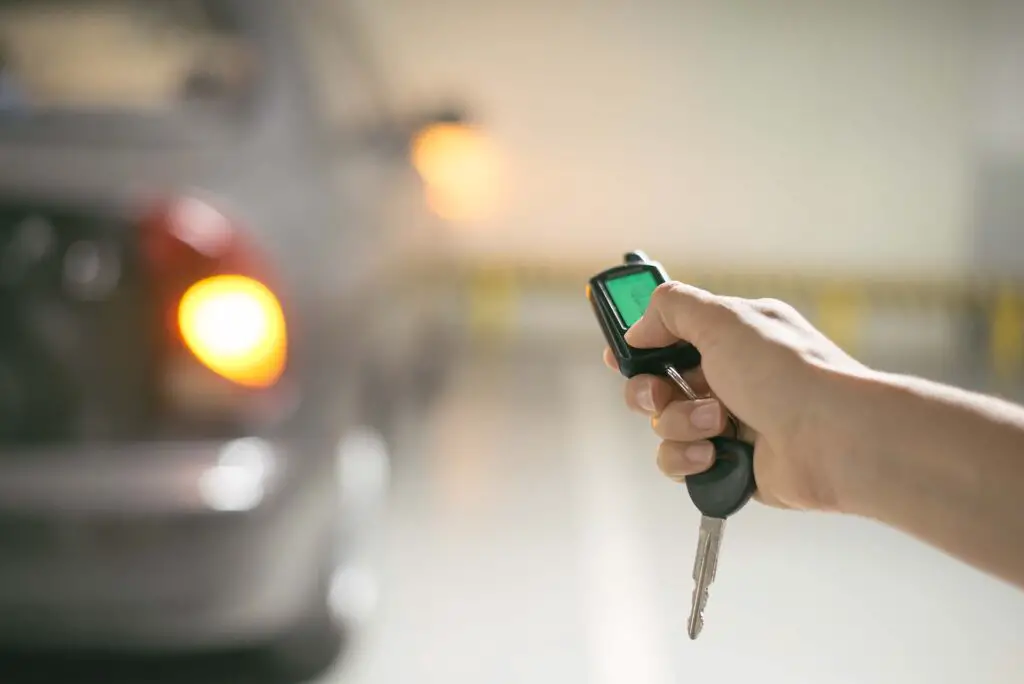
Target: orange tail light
{"x": 216, "y": 303}
{"x": 236, "y": 327}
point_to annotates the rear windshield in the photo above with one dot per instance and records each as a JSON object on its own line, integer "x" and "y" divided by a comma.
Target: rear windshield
{"x": 118, "y": 56}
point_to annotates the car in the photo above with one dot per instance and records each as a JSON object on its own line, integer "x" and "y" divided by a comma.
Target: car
{"x": 199, "y": 284}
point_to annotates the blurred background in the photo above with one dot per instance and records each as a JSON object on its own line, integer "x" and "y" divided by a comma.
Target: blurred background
{"x": 297, "y": 377}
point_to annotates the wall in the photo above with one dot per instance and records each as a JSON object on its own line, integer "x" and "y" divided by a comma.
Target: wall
{"x": 998, "y": 241}
{"x": 792, "y": 134}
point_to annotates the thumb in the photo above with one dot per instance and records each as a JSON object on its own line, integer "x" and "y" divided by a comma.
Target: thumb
{"x": 676, "y": 312}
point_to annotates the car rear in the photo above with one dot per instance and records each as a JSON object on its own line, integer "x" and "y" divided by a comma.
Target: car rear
{"x": 147, "y": 484}
{"x": 158, "y": 485}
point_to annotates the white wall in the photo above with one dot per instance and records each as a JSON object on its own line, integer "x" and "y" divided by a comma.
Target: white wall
{"x": 999, "y": 208}
{"x": 1000, "y": 91}
{"x": 807, "y": 134}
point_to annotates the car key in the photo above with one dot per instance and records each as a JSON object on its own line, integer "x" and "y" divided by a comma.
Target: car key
{"x": 716, "y": 501}
{"x": 619, "y": 296}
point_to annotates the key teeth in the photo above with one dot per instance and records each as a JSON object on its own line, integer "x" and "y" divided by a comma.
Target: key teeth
{"x": 695, "y": 627}
{"x": 704, "y": 571}
{"x": 696, "y": 623}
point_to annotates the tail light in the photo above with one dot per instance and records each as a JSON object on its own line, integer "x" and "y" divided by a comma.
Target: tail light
{"x": 234, "y": 325}
{"x": 215, "y": 298}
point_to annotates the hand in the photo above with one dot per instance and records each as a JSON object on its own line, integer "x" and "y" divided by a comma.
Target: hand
{"x": 777, "y": 374}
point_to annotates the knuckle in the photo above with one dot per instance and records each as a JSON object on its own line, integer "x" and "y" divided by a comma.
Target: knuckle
{"x": 774, "y": 308}
{"x": 665, "y": 293}
{"x": 726, "y": 311}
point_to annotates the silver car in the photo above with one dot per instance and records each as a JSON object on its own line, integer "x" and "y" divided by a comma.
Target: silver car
{"x": 197, "y": 291}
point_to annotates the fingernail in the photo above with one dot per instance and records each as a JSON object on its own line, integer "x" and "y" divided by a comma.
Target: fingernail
{"x": 645, "y": 397}
{"x": 700, "y": 455}
{"x": 706, "y": 415}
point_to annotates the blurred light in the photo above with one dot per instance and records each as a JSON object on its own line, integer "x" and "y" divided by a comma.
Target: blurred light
{"x": 235, "y": 326}
{"x": 459, "y": 166}
{"x": 200, "y": 225}
{"x": 238, "y": 481}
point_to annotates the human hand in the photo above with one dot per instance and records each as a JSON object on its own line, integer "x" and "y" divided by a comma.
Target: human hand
{"x": 775, "y": 372}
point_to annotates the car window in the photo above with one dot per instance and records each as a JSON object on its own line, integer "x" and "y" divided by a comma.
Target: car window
{"x": 117, "y": 55}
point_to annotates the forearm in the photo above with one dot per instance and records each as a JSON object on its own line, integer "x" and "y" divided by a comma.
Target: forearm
{"x": 942, "y": 464}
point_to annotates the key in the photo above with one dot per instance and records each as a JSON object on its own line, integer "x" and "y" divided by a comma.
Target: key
{"x": 708, "y": 543}
{"x": 717, "y": 493}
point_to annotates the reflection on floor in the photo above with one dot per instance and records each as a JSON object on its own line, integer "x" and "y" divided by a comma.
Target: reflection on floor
{"x": 530, "y": 539}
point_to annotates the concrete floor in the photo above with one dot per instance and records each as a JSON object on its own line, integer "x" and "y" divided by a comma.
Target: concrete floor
{"x": 530, "y": 538}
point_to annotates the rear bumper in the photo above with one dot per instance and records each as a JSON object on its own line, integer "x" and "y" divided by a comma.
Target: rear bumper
{"x": 162, "y": 546}
{"x": 148, "y": 478}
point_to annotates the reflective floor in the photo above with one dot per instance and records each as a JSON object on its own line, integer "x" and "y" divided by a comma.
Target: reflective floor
{"x": 529, "y": 538}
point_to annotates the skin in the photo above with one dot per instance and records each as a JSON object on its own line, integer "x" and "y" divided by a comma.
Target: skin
{"x": 831, "y": 434}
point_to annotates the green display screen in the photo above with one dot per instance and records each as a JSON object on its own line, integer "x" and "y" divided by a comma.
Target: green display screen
{"x": 631, "y": 294}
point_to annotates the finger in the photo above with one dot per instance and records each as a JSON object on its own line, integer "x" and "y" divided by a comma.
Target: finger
{"x": 694, "y": 377}
{"x": 676, "y": 312}
{"x": 697, "y": 382}
{"x": 650, "y": 394}
{"x": 677, "y": 460}
{"x": 635, "y": 387}
{"x": 687, "y": 421}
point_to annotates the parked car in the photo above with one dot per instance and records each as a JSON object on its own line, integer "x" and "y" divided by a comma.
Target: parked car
{"x": 196, "y": 267}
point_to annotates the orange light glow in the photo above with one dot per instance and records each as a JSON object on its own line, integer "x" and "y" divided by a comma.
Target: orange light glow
{"x": 460, "y": 168}
{"x": 235, "y": 326}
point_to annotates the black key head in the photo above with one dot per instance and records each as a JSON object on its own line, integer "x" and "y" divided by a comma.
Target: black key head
{"x": 729, "y": 484}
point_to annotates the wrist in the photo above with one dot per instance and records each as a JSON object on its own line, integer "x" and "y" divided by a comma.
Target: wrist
{"x": 849, "y": 436}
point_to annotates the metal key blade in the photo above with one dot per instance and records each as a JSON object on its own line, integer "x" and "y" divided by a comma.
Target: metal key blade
{"x": 708, "y": 543}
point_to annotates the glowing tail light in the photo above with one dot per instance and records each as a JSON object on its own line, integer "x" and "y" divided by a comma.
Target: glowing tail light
{"x": 235, "y": 326}
{"x": 216, "y": 301}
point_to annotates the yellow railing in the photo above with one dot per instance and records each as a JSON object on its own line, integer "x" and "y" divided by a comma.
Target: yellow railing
{"x": 842, "y": 306}
{"x": 1006, "y": 337}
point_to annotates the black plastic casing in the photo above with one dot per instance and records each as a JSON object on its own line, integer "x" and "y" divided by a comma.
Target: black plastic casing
{"x": 632, "y": 361}
{"x": 729, "y": 484}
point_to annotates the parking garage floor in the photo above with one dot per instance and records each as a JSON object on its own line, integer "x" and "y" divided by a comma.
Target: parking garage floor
{"x": 528, "y": 537}
{"x": 531, "y": 539}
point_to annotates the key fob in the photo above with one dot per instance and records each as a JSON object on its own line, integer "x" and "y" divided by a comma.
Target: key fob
{"x": 619, "y": 296}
